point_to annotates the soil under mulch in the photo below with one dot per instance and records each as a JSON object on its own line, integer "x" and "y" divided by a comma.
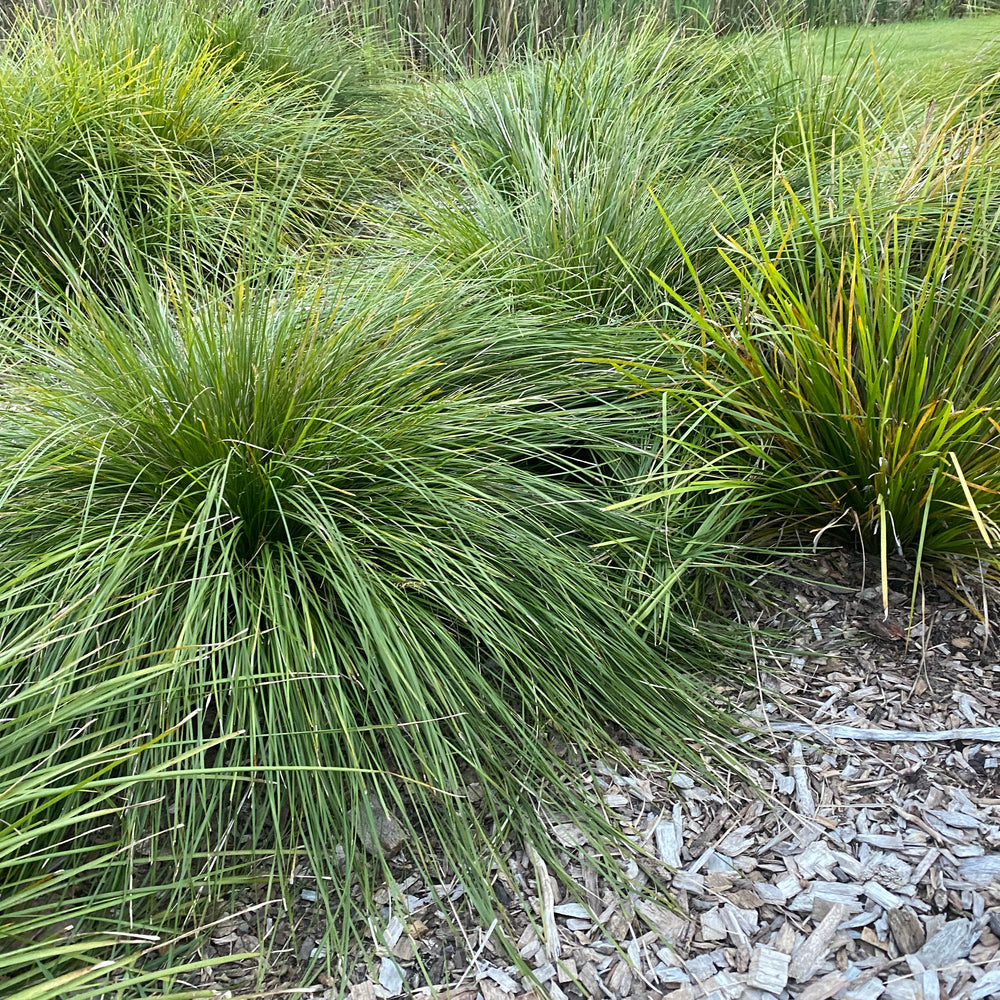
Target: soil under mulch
{"x": 870, "y": 866}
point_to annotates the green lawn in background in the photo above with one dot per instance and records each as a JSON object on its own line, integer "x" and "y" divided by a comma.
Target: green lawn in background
{"x": 930, "y": 59}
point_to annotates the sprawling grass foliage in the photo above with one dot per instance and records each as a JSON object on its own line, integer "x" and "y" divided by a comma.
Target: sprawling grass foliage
{"x": 554, "y": 165}
{"x": 428, "y": 526}
{"x": 186, "y": 133}
{"x": 70, "y": 878}
{"x": 583, "y": 175}
{"x": 349, "y": 488}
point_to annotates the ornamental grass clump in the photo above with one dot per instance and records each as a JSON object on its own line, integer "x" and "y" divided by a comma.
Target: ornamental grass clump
{"x": 857, "y": 367}
{"x": 280, "y": 41}
{"x": 123, "y": 125}
{"x": 807, "y": 99}
{"x": 557, "y": 166}
{"x": 334, "y": 493}
{"x": 575, "y": 175}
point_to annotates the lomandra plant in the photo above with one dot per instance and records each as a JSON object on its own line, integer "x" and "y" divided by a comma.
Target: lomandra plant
{"x": 337, "y": 491}
{"x": 808, "y": 98}
{"x": 68, "y": 874}
{"x": 125, "y": 120}
{"x": 281, "y": 41}
{"x": 560, "y": 169}
{"x": 856, "y": 368}
{"x": 578, "y": 174}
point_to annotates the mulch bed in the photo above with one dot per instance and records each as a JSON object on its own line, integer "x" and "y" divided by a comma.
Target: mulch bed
{"x": 866, "y": 864}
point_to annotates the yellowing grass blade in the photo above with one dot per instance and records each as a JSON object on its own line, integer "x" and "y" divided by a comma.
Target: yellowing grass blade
{"x": 977, "y": 517}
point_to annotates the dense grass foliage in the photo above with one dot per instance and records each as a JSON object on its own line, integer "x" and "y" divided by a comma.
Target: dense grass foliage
{"x": 555, "y": 162}
{"x": 64, "y": 778}
{"x": 347, "y": 498}
{"x": 183, "y": 134}
{"x": 861, "y": 379}
{"x": 592, "y": 173}
{"x": 375, "y": 443}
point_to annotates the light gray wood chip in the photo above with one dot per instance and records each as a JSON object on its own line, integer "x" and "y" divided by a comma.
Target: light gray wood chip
{"x": 390, "y": 977}
{"x": 878, "y": 893}
{"x": 803, "y": 795}
{"x": 949, "y": 817}
{"x": 668, "y": 842}
{"x": 928, "y": 985}
{"x": 768, "y": 969}
{"x": 670, "y": 926}
{"x": 870, "y": 990}
{"x": 952, "y": 942}
{"x": 817, "y": 859}
{"x": 825, "y": 987}
{"x": 502, "y": 979}
{"x": 736, "y": 842}
{"x": 982, "y": 872}
{"x": 689, "y": 882}
{"x": 701, "y": 966}
{"x": 591, "y": 980}
{"x": 981, "y": 734}
{"x": 889, "y": 842}
{"x": 807, "y": 958}
{"x": 847, "y": 893}
{"x": 925, "y": 864}
{"x": 986, "y": 988}
{"x": 784, "y": 940}
{"x": 713, "y": 925}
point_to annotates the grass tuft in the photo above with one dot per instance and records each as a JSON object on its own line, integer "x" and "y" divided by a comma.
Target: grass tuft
{"x": 574, "y": 176}
{"x": 855, "y": 366}
{"x": 177, "y": 133}
{"x": 341, "y": 495}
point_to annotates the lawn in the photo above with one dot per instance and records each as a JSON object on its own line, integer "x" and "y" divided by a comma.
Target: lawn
{"x": 927, "y": 59}
{"x": 383, "y": 437}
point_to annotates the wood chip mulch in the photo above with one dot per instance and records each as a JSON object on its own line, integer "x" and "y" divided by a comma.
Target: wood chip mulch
{"x": 869, "y": 867}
